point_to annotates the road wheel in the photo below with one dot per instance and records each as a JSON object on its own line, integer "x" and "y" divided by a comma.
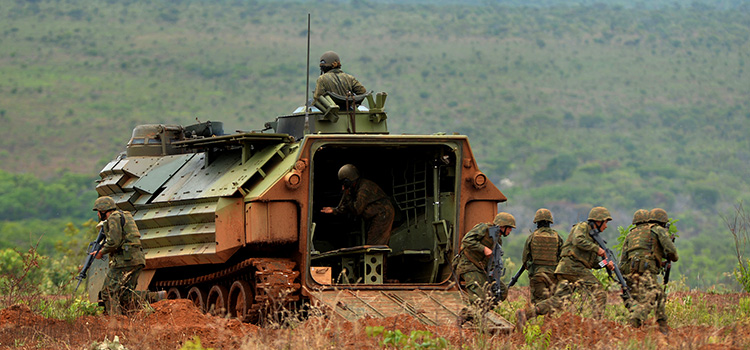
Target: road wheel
{"x": 241, "y": 300}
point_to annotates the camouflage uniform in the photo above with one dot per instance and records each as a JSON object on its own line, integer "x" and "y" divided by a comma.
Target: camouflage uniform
{"x": 578, "y": 257}
{"x": 126, "y": 261}
{"x": 642, "y": 252}
{"x": 335, "y": 80}
{"x": 541, "y": 253}
{"x": 367, "y": 199}
{"x": 472, "y": 264}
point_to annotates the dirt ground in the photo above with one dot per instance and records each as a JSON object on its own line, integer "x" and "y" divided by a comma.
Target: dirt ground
{"x": 174, "y": 322}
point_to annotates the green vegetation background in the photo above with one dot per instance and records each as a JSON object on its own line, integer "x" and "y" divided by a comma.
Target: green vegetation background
{"x": 567, "y": 105}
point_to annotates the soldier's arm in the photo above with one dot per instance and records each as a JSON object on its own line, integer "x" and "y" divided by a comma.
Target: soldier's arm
{"x": 670, "y": 251}
{"x": 319, "y": 88}
{"x": 114, "y": 234}
{"x": 583, "y": 240}
{"x": 473, "y": 239}
{"x": 527, "y": 251}
{"x": 344, "y": 204}
{"x": 559, "y": 246}
{"x": 357, "y": 87}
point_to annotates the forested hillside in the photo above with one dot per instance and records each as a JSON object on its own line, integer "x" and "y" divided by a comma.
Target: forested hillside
{"x": 566, "y": 106}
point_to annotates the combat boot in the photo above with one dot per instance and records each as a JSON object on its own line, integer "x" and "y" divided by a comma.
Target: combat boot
{"x": 663, "y": 327}
{"x": 522, "y": 316}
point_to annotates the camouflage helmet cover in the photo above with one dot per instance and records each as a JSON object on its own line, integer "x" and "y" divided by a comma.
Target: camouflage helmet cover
{"x": 658, "y": 215}
{"x": 104, "y": 204}
{"x": 349, "y": 172}
{"x": 504, "y": 219}
{"x": 599, "y": 214}
{"x": 543, "y": 215}
{"x": 330, "y": 59}
{"x": 640, "y": 216}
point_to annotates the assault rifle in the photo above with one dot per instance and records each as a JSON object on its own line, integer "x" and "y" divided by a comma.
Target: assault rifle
{"x": 516, "y": 276}
{"x": 94, "y": 247}
{"x": 610, "y": 256}
{"x": 496, "y": 266}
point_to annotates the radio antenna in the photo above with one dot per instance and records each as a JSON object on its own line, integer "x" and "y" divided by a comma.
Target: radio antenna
{"x": 307, "y": 83}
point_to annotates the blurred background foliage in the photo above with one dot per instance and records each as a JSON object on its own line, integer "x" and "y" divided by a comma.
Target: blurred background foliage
{"x": 568, "y": 104}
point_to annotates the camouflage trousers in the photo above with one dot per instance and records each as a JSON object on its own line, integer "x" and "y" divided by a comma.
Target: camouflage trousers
{"x": 647, "y": 295}
{"x": 567, "y": 285}
{"x": 541, "y": 286}
{"x": 118, "y": 292}
{"x": 477, "y": 287}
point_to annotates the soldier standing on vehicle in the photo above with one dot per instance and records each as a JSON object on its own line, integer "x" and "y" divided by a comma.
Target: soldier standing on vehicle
{"x": 476, "y": 250}
{"x": 333, "y": 79}
{"x": 642, "y": 253}
{"x": 126, "y": 259}
{"x": 541, "y": 253}
{"x": 580, "y": 253}
{"x": 366, "y": 199}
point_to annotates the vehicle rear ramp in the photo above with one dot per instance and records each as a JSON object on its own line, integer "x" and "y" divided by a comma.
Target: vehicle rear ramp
{"x": 430, "y": 307}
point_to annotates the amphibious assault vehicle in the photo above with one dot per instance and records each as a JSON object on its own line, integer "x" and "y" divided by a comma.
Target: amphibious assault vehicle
{"x": 233, "y": 222}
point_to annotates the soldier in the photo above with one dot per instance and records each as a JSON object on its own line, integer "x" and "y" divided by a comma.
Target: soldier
{"x": 364, "y": 198}
{"x": 476, "y": 249}
{"x": 126, "y": 260}
{"x": 333, "y": 79}
{"x": 580, "y": 253}
{"x": 642, "y": 253}
{"x": 541, "y": 253}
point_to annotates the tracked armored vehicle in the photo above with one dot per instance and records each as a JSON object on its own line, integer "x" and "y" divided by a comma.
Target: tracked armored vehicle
{"x": 233, "y": 222}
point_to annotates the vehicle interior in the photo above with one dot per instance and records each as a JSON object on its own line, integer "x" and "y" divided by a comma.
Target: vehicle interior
{"x": 413, "y": 175}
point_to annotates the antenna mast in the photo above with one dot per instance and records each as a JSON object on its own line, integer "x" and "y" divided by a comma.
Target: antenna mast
{"x": 307, "y": 84}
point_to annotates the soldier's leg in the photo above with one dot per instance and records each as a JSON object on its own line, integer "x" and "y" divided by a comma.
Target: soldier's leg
{"x": 475, "y": 285}
{"x": 379, "y": 230}
{"x": 129, "y": 298}
{"x": 111, "y": 291}
{"x": 541, "y": 287}
{"x": 587, "y": 279}
{"x": 562, "y": 290}
{"x": 638, "y": 305}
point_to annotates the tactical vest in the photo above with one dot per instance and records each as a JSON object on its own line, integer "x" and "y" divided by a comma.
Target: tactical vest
{"x": 641, "y": 242}
{"x": 131, "y": 252}
{"x": 543, "y": 247}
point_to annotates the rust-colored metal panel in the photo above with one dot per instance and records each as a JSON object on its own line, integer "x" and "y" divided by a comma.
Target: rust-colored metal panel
{"x": 230, "y": 224}
{"x": 268, "y": 222}
{"x": 282, "y": 219}
{"x": 476, "y": 212}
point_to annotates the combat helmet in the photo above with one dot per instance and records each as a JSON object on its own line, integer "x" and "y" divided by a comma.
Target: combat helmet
{"x": 330, "y": 60}
{"x": 104, "y": 204}
{"x": 348, "y": 172}
{"x": 640, "y": 216}
{"x": 504, "y": 219}
{"x": 599, "y": 214}
{"x": 659, "y": 215}
{"x": 543, "y": 215}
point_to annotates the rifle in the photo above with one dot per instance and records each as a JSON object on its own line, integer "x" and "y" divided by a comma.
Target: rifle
{"x": 94, "y": 247}
{"x": 496, "y": 266}
{"x": 516, "y": 276}
{"x": 610, "y": 256}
